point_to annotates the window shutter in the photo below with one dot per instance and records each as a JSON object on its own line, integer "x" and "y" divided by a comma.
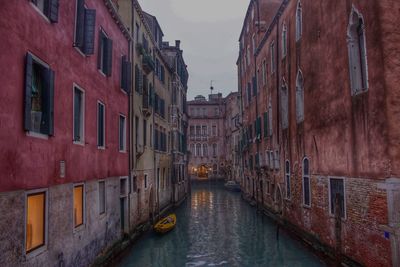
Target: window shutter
{"x": 28, "y": 92}
{"x": 140, "y": 82}
{"x": 123, "y": 73}
{"x": 99, "y": 54}
{"x": 89, "y": 26}
{"x": 108, "y": 56}
{"x": 265, "y": 124}
{"x": 128, "y": 75}
{"x": 48, "y": 126}
{"x": 77, "y": 110}
{"x": 254, "y": 86}
{"x": 53, "y": 11}
{"x": 80, "y": 18}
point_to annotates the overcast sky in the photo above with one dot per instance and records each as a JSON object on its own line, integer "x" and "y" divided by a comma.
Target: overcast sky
{"x": 209, "y": 32}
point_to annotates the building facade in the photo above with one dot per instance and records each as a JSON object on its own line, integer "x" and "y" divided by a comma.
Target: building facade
{"x": 207, "y": 136}
{"x": 91, "y": 147}
{"x": 318, "y": 137}
{"x": 64, "y": 138}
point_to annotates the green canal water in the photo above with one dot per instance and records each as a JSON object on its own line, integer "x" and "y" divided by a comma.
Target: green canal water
{"x": 216, "y": 227}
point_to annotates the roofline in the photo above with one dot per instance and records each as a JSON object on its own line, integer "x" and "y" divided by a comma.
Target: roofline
{"x": 245, "y": 18}
{"x": 118, "y": 20}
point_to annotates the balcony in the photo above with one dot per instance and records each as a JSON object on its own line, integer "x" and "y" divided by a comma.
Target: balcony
{"x": 147, "y": 63}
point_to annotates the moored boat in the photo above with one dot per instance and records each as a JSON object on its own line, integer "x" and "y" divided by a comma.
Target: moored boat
{"x": 233, "y": 186}
{"x": 166, "y": 224}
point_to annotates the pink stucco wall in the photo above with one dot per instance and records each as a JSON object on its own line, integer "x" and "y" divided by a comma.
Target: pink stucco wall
{"x": 29, "y": 162}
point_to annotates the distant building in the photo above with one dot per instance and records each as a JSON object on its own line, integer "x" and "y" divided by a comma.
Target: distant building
{"x": 207, "y": 136}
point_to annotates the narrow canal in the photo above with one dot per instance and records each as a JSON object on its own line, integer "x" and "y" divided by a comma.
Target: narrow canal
{"x": 216, "y": 227}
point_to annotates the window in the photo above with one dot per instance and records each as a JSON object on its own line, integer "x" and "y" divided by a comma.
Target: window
{"x": 105, "y": 54}
{"x": 198, "y": 150}
{"x": 336, "y": 193}
{"x": 102, "y": 197}
{"x": 306, "y": 183}
{"x": 79, "y": 108}
{"x": 192, "y": 149}
{"x": 205, "y": 150}
{"x": 126, "y": 71}
{"x": 198, "y": 130}
{"x": 270, "y": 117}
{"x": 135, "y": 187}
{"x": 204, "y": 112}
{"x": 284, "y": 40}
{"x": 299, "y": 21}
{"x": 137, "y": 33}
{"x": 136, "y": 131}
{"x": 78, "y": 205}
{"x": 284, "y": 105}
{"x": 216, "y": 111}
{"x": 191, "y": 131}
{"x": 215, "y": 150}
{"x": 265, "y": 124}
{"x": 272, "y": 52}
{"x": 145, "y": 181}
{"x": 36, "y": 219}
{"x": 214, "y": 130}
{"x": 253, "y": 41}
{"x": 357, "y": 53}
{"x": 248, "y": 56}
{"x": 151, "y": 135}
{"x": 122, "y": 133}
{"x": 144, "y": 132}
{"x": 299, "y": 97}
{"x": 49, "y": 8}
{"x": 287, "y": 179}
{"x": 39, "y": 97}
{"x": 264, "y": 72}
{"x": 276, "y": 160}
{"x": 100, "y": 125}
{"x": 85, "y": 22}
{"x": 204, "y": 130}
{"x": 254, "y": 82}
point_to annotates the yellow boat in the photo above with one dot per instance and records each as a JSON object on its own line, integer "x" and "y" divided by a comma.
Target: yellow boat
{"x": 166, "y": 224}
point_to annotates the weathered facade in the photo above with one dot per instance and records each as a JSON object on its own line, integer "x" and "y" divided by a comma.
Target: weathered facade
{"x": 64, "y": 162}
{"x": 89, "y": 140}
{"x": 319, "y": 141}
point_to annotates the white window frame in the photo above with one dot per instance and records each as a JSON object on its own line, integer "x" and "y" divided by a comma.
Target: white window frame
{"x": 100, "y": 68}
{"x": 83, "y": 225}
{"x": 105, "y": 197}
{"x": 41, "y": 249}
{"x": 344, "y": 196}
{"x": 124, "y": 133}
{"x": 284, "y": 40}
{"x": 309, "y": 182}
{"x": 82, "y": 141}
{"x": 272, "y": 55}
{"x": 104, "y": 125}
{"x": 299, "y": 21}
{"x": 288, "y": 184}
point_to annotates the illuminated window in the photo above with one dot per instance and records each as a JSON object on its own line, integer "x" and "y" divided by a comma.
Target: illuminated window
{"x": 78, "y": 205}
{"x": 35, "y": 228}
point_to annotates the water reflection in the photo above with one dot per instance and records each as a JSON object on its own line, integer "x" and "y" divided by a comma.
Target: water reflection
{"x": 216, "y": 228}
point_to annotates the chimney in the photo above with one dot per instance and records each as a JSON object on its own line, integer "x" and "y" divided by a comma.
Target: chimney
{"x": 178, "y": 44}
{"x": 165, "y": 44}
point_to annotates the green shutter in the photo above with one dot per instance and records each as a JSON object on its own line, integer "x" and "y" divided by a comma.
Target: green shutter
{"x": 28, "y": 92}
{"x": 89, "y": 31}
{"x": 48, "y": 101}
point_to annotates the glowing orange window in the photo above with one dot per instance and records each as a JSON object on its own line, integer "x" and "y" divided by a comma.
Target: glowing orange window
{"x": 78, "y": 205}
{"x": 35, "y": 221}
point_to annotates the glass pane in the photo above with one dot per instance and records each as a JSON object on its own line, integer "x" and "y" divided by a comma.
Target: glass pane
{"x": 78, "y": 205}
{"x": 35, "y": 221}
{"x": 305, "y": 167}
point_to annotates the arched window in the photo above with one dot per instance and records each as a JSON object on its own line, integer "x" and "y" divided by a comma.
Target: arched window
{"x": 198, "y": 150}
{"x": 306, "y": 183}
{"x": 214, "y": 150}
{"x": 284, "y": 40}
{"x": 287, "y": 179}
{"x": 205, "y": 150}
{"x": 192, "y": 150}
{"x": 299, "y": 97}
{"x": 299, "y": 21}
{"x": 357, "y": 53}
{"x": 284, "y": 105}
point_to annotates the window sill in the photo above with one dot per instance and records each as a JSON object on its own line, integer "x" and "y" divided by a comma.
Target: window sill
{"x": 40, "y": 12}
{"x": 102, "y": 215}
{"x": 79, "y": 143}
{"x": 122, "y": 151}
{"x": 102, "y": 73}
{"x": 304, "y": 206}
{"x": 37, "y": 135}
{"x": 79, "y": 228}
{"x": 36, "y": 252}
{"x": 101, "y": 147}
{"x": 79, "y": 51}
